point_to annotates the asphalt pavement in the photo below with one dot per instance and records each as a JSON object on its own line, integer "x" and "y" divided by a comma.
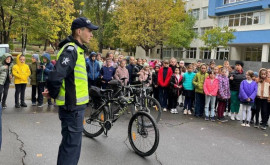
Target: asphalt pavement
{"x": 31, "y": 136}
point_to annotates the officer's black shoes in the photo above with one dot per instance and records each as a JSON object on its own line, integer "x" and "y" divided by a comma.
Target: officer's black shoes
{"x": 23, "y": 104}
{"x": 17, "y": 105}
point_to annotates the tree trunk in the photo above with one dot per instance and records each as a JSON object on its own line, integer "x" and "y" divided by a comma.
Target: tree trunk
{"x": 45, "y": 45}
{"x": 161, "y": 51}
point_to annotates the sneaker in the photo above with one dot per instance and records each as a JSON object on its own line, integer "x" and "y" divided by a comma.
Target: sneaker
{"x": 225, "y": 114}
{"x": 23, "y": 104}
{"x": 189, "y": 112}
{"x": 175, "y": 111}
{"x": 17, "y": 106}
{"x": 213, "y": 119}
{"x": 4, "y": 106}
{"x": 185, "y": 112}
{"x": 172, "y": 111}
{"x": 40, "y": 105}
{"x": 263, "y": 127}
{"x": 237, "y": 118}
{"x": 251, "y": 122}
{"x": 223, "y": 120}
{"x": 247, "y": 125}
{"x": 50, "y": 103}
{"x": 229, "y": 114}
{"x": 206, "y": 118}
{"x": 164, "y": 110}
{"x": 243, "y": 124}
{"x": 232, "y": 117}
{"x": 34, "y": 103}
{"x": 256, "y": 125}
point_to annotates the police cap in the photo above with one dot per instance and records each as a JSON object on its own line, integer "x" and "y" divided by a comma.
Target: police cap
{"x": 83, "y": 22}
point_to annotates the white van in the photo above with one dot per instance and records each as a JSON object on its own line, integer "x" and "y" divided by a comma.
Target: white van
{"x": 4, "y": 48}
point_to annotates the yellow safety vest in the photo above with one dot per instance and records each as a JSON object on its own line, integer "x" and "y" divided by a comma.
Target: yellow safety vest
{"x": 80, "y": 78}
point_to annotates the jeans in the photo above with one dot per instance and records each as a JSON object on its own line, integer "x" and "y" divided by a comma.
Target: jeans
{"x": 188, "y": 103}
{"x": 263, "y": 106}
{"x": 163, "y": 96}
{"x": 4, "y": 88}
{"x": 19, "y": 90}
{"x": 199, "y": 104}
{"x": 207, "y": 102}
{"x": 72, "y": 127}
{"x": 34, "y": 93}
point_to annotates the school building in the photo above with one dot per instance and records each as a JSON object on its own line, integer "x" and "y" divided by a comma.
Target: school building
{"x": 250, "y": 18}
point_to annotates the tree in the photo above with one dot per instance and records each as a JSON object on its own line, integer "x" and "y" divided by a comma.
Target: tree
{"x": 100, "y": 13}
{"x": 148, "y": 23}
{"x": 213, "y": 38}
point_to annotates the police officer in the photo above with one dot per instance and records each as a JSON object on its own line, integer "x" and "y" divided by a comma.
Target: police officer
{"x": 67, "y": 83}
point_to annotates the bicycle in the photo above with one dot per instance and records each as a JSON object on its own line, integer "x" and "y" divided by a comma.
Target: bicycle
{"x": 139, "y": 95}
{"x": 144, "y": 139}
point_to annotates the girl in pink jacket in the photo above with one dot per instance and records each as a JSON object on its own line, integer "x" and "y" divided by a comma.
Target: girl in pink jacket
{"x": 210, "y": 88}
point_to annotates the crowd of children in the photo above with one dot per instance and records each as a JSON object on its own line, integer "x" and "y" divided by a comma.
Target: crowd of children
{"x": 208, "y": 91}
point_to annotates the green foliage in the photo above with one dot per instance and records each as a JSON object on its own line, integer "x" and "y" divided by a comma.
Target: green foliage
{"x": 181, "y": 33}
{"x": 147, "y": 23}
{"x": 218, "y": 37}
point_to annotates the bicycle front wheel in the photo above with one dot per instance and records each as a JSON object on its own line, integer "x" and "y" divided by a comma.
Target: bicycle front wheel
{"x": 143, "y": 139}
{"x": 93, "y": 124}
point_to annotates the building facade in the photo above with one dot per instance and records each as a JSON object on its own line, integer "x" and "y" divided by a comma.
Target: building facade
{"x": 250, "y": 18}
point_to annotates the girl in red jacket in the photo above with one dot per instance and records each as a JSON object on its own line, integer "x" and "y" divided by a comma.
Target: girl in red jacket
{"x": 164, "y": 76}
{"x": 210, "y": 88}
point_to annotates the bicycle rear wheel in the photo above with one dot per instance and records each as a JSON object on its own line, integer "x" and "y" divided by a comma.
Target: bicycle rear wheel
{"x": 93, "y": 124}
{"x": 144, "y": 140}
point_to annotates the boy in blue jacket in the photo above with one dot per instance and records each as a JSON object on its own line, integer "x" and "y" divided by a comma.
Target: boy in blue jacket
{"x": 107, "y": 72}
{"x": 93, "y": 69}
{"x": 43, "y": 71}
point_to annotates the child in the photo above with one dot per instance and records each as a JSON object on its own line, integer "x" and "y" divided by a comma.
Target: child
{"x": 93, "y": 69}
{"x": 145, "y": 75}
{"x": 176, "y": 88}
{"x": 33, "y": 77}
{"x": 5, "y": 77}
{"x": 236, "y": 77}
{"x": 247, "y": 94}
{"x": 262, "y": 96}
{"x": 223, "y": 94}
{"x": 43, "y": 71}
{"x": 122, "y": 72}
{"x": 155, "y": 82}
{"x": 107, "y": 73}
{"x": 253, "y": 107}
{"x": 198, "y": 82}
{"x": 188, "y": 89}
{"x": 210, "y": 88}
{"x": 21, "y": 73}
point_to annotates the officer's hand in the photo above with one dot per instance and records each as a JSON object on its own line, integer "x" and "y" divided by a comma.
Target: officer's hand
{"x": 46, "y": 93}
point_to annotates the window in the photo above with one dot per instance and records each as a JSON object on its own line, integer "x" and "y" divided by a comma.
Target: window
{"x": 253, "y": 54}
{"x": 204, "y": 29}
{"x": 222, "y": 54}
{"x": 205, "y": 54}
{"x": 195, "y": 13}
{"x": 242, "y": 19}
{"x": 178, "y": 53}
{"x": 232, "y": 1}
{"x": 191, "y": 53}
{"x": 166, "y": 53}
{"x": 205, "y": 13}
{"x": 158, "y": 50}
{"x": 196, "y": 30}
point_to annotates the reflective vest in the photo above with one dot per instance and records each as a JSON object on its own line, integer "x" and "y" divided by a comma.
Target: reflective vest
{"x": 80, "y": 78}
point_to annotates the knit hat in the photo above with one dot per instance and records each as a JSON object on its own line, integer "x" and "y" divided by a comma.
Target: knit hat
{"x": 36, "y": 56}
{"x": 239, "y": 63}
{"x": 256, "y": 74}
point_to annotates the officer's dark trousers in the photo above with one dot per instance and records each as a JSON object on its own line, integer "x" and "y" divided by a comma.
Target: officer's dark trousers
{"x": 72, "y": 127}
{"x": 0, "y": 127}
{"x": 19, "y": 90}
